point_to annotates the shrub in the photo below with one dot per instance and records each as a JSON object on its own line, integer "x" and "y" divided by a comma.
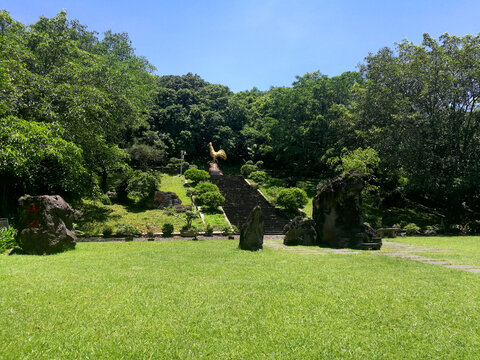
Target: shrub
{"x": 209, "y": 230}
{"x": 173, "y": 166}
{"x": 7, "y": 239}
{"x": 412, "y": 229}
{"x": 105, "y": 200}
{"x": 189, "y": 216}
{"x": 210, "y": 199}
{"x": 107, "y": 231}
{"x": 292, "y": 198}
{"x": 247, "y": 169}
{"x": 258, "y": 176}
{"x": 196, "y": 175}
{"x": 431, "y": 230}
{"x": 142, "y": 185}
{"x": 167, "y": 229}
{"x": 128, "y": 230}
{"x": 272, "y": 192}
{"x": 205, "y": 187}
{"x": 227, "y": 231}
{"x": 145, "y": 156}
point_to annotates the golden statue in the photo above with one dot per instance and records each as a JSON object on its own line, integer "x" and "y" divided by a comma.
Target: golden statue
{"x": 217, "y": 154}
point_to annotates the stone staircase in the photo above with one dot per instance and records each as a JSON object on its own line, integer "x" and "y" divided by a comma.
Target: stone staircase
{"x": 241, "y": 198}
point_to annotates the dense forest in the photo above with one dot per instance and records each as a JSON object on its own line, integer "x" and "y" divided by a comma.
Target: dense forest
{"x": 77, "y": 108}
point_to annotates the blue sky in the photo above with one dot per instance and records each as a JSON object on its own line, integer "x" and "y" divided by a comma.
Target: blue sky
{"x": 249, "y": 43}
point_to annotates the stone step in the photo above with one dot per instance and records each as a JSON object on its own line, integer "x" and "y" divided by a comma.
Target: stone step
{"x": 241, "y": 198}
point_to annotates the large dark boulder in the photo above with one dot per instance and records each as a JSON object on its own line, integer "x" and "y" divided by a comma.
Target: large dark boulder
{"x": 166, "y": 199}
{"x": 337, "y": 212}
{"x": 46, "y": 224}
{"x": 300, "y": 231}
{"x": 251, "y": 233}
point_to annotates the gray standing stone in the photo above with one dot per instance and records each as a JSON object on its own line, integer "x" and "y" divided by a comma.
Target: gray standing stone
{"x": 300, "y": 231}
{"x": 337, "y": 212}
{"x": 251, "y": 233}
{"x": 46, "y": 224}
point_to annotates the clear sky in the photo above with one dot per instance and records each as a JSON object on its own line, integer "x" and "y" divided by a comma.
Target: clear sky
{"x": 260, "y": 43}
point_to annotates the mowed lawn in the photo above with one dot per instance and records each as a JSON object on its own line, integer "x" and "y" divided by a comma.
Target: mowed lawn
{"x": 459, "y": 249}
{"x": 209, "y": 300}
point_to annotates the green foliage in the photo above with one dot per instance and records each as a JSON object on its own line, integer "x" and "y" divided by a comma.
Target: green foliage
{"x": 431, "y": 230}
{"x": 107, "y": 231}
{"x": 143, "y": 273}
{"x": 204, "y": 187}
{"x": 208, "y": 195}
{"x": 258, "y": 176}
{"x": 209, "y": 230}
{"x": 167, "y": 230}
{"x": 7, "y": 239}
{"x": 362, "y": 161}
{"x": 419, "y": 110}
{"x": 142, "y": 185}
{"x": 173, "y": 166}
{"x": 247, "y": 169}
{"x": 94, "y": 91}
{"x": 189, "y": 217}
{"x": 412, "y": 229}
{"x": 127, "y": 230}
{"x": 34, "y": 158}
{"x": 292, "y": 199}
{"x": 210, "y": 199}
{"x": 196, "y": 175}
{"x": 145, "y": 156}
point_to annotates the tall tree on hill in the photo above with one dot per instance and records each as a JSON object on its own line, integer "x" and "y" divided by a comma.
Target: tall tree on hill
{"x": 55, "y": 71}
{"x": 420, "y": 111}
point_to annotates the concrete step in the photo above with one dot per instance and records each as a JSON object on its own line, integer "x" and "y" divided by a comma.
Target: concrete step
{"x": 241, "y": 198}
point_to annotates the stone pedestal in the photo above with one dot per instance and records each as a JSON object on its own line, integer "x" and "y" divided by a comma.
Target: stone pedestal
{"x": 213, "y": 169}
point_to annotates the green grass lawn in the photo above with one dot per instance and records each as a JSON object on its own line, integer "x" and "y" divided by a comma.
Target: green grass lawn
{"x": 97, "y": 216}
{"x": 216, "y": 219}
{"x": 461, "y": 249}
{"x": 175, "y": 184}
{"x": 209, "y": 300}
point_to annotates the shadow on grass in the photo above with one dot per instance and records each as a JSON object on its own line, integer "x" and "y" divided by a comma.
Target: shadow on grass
{"x": 94, "y": 212}
{"x": 209, "y": 211}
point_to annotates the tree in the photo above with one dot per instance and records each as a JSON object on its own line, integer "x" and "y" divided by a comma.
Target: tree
{"x": 34, "y": 159}
{"x": 57, "y": 71}
{"x": 419, "y": 110}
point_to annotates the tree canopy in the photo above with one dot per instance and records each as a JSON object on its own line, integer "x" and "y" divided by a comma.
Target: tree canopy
{"x": 89, "y": 105}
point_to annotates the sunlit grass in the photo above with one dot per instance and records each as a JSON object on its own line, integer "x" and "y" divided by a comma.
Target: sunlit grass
{"x": 460, "y": 249}
{"x": 216, "y": 219}
{"x": 209, "y": 300}
{"x": 98, "y": 216}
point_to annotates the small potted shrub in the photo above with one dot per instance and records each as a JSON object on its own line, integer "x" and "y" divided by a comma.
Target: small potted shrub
{"x": 167, "y": 230}
{"x": 187, "y": 230}
{"x": 195, "y": 232}
{"x": 128, "y": 231}
{"x": 209, "y": 230}
{"x": 228, "y": 231}
{"x": 149, "y": 233}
